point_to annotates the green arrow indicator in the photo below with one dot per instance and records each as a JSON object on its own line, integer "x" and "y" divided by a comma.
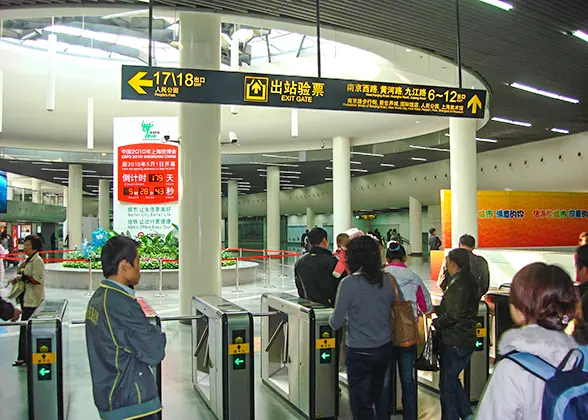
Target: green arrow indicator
{"x": 479, "y": 344}
{"x": 325, "y": 356}
{"x": 239, "y": 361}
{"x": 44, "y": 371}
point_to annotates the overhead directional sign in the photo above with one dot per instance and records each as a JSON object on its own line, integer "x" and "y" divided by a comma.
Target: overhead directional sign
{"x": 237, "y": 88}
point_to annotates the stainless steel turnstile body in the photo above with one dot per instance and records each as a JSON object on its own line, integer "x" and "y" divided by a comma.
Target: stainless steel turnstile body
{"x": 475, "y": 376}
{"x": 48, "y": 361}
{"x": 222, "y": 367}
{"x": 154, "y": 320}
{"x": 299, "y": 358}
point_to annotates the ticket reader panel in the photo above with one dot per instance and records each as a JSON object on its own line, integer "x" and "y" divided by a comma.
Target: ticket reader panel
{"x": 475, "y": 376}
{"x": 47, "y": 356}
{"x": 222, "y": 367}
{"x": 300, "y": 354}
{"x": 154, "y": 320}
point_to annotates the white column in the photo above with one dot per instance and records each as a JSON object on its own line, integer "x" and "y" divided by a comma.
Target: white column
{"x": 104, "y": 203}
{"x": 464, "y": 178}
{"x": 273, "y": 208}
{"x": 309, "y": 218}
{"x": 65, "y": 224}
{"x": 74, "y": 208}
{"x": 200, "y": 167}
{"x": 36, "y": 195}
{"x": 341, "y": 185}
{"x": 9, "y": 193}
{"x": 415, "y": 215}
{"x": 22, "y": 194}
{"x": 233, "y": 216}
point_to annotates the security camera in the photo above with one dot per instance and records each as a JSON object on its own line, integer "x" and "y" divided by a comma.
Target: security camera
{"x": 322, "y": 144}
{"x": 166, "y": 138}
{"x": 233, "y": 138}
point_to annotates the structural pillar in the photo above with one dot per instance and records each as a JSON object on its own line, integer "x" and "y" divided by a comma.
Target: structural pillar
{"x": 273, "y": 208}
{"x": 104, "y": 203}
{"x": 200, "y": 167}
{"x": 9, "y": 193}
{"x": 74, "y": 208}
{"x": 341, "y": 185}
{"x": 36, "y": 194}
{"x": 309, "y": 218}
{"x": 233, "y": 217}
{"x": 416, "y": 237}
{"x": 464, "y": 178}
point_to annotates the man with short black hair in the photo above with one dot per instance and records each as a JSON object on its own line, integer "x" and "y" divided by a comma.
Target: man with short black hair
{"x": 478, "y": 267}
{"x": 434, "y": 241}
{"x": 122, "y": 344}
{"x": 581, "y": 263}
{"x": 314, "y": 270}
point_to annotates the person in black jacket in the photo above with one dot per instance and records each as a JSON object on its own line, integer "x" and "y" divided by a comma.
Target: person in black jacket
{"x": 456, "y": 321}
{"x": 314, "y": 271}
{"x": 8, "y": 312}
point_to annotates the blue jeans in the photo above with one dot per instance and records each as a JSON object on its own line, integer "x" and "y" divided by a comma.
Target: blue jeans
{"x": 366, "y": 369}
{"x": 404, "y": 358}
{"x": 454, "y": 401}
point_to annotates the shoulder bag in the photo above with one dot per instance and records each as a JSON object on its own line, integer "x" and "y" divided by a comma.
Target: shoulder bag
{"x": 404, "y": 326}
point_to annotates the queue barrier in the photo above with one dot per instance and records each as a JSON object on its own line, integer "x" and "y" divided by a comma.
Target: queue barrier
{"x": 299, "y": 358}
{"x": 223, "y": 362}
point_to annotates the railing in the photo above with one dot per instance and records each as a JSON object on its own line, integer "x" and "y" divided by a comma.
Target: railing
{"x": 267, "y": 258}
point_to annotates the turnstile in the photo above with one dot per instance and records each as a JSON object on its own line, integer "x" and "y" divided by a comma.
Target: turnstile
{"x": 475, "y": 376}
{"x": 222, "y": 367}
{"x": 47, "y": 361}
{"x": 154, "y": 320}
{"x": 299, "y": 358}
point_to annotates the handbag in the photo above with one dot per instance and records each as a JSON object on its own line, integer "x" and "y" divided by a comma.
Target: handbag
{"x": 428, "y": 360}
{"x": 404, "y": 326}
{"x": 18, "y": 288}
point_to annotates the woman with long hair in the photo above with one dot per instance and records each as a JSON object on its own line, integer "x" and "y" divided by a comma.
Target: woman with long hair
{"x": 364, "y": 298}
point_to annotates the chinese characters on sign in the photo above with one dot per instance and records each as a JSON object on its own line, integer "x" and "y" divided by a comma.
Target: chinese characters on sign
{"x": 560, "y": 214}
{"x": 146, "y": 219}
{"x": 148, "y": 173}
{"x": 238, "y": 88}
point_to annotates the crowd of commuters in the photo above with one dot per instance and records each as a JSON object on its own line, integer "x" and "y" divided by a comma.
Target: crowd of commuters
{"x": 543, "y": 302}
{"x": 549, "y": 312}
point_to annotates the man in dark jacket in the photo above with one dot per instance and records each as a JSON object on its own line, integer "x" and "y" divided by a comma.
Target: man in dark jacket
{"x": 122, "y": 344}
{"x": 8, "y": 311}
{"x": 314, "y": 271}
{"x": 478, "y": 267}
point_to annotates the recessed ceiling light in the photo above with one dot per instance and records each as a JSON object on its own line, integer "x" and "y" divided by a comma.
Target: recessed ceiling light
{"x": 353, "y": 162}
{"x": 560, "y": 130}
{"x": 447, "y": 135}
{"x": 367, "y": 154}
{"x": 419, "y": 159}
{"x": 408, "y": 50}
{"x": 60, "y": 178}
{"x": 226, "y": 173}
{"x": 297, "y": 185}
{"x": 418, "y": 122}
{"x": 289, "y": 165}
{"x": 41, "y": 163}
{"x": 328, "y": 179}
{"x": 581, "y": 34}
{"x": 88, "y": 171}
{"x": 543, "y": 93}
{"x": 507, "y": 121}
{"x": 389, "y": 165}
{"x": 487, "y": 140}
{"x": 54, "y": 169}
{"x": 358, "y": 170}
{"x": 436, "y": 149}
{"x": 498, "y": 3}
{"x": 289, "y": 176}
{"x": 280, "y": 156}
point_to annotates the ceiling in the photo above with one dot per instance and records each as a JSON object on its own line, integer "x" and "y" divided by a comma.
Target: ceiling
{"x": 531, "y": 44}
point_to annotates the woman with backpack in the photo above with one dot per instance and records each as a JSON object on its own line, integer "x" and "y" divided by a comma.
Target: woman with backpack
{"x": 543, "y": 301}
{"x": 412, "y": 289}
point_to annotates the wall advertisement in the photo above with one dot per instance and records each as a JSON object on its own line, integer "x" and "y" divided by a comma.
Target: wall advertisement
{"x": 146, "y": 176}
{"x": 521, "y": 219}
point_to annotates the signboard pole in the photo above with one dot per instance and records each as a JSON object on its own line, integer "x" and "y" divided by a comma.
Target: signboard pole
{"x": 160, "y": 293}
{"x": 459, "y": 75}
{"x": 318, "y": 37}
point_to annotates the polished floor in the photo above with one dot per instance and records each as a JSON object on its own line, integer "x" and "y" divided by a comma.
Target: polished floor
{"x": 179, "y": 398}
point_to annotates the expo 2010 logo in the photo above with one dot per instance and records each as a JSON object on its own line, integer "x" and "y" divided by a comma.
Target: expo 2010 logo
{"x": 147, "y": 132}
